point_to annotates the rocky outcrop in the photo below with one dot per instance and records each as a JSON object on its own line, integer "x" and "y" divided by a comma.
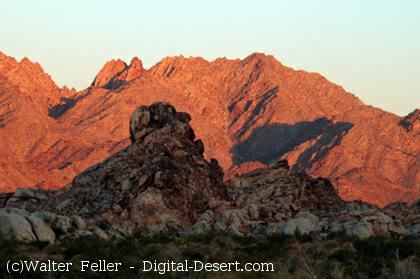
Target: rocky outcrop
{"x": 116, "y": 73}
{"x": 108, "y": 72}
{"x": 412, "y": 122}
{"x": 275, "y": 200}
{"x": 162, "y": 183}
{"x": 303, "y": 223}
{"x": 30, "y": 79}
{"x": 16, "y": 226}
{"x": 42, "y": 231}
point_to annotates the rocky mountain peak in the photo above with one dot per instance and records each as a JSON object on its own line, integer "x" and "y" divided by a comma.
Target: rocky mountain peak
{"x": 25, "y": 61}
{"x": 30, "y": 78}
{"x": 35, "y": 69}
{"x": 169, "y": 66}
{"x": 257, "y": 60}
{"x": 108, "y": 72}
{"x": 131, "y": 72}
{"x": 6, "y": 63}
{"x": 136, "y": 63}
{"x": 260, "y": 57}
{"x": 116, "y": 73}
{"x": 412, "y": 121}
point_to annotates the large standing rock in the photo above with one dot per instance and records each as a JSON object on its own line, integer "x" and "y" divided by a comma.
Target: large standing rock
{"x": 16, "y": 227}
{"x": 360, "y": 229}
{"x": 13, "y": 210}
{"x": 304, "y": 223}
{"x": 42, "y": 231}
{"x": 204, "y": 224}
{"x": 60, "y": 224}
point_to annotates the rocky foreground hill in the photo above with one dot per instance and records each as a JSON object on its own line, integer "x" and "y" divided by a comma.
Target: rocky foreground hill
{"x": 249, "y": 113}
{"x": 162, "y": 183}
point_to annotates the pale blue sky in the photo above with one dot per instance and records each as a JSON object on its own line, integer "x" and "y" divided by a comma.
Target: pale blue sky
{"x": 371, "y": 48}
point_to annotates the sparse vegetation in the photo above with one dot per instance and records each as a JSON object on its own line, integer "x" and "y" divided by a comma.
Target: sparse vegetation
{"x": 294, "y": 257}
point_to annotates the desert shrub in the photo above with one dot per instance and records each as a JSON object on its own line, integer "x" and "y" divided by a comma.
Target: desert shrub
{"x": 387, "y": 248}
{"x": 270, "y": 247}
{"x": 373, "y": 255}
{"x": 204, "y": 238}
{"x": 90, "y": 246}
{"x": 157, "y": 238}
{"x": 409, "y": 268}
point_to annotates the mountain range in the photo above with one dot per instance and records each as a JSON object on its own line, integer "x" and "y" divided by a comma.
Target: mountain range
{"x": 248, "y": 113}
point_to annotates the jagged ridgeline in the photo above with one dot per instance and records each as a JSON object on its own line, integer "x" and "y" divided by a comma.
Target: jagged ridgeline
{"x": 162, "y": 183}
{"x": 248, "y": 112}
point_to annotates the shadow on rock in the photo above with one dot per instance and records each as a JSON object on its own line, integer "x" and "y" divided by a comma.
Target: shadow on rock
{"x": 268, "y": 143}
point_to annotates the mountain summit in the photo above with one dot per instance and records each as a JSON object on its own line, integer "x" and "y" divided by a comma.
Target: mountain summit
{"x": 116, "y": 72}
